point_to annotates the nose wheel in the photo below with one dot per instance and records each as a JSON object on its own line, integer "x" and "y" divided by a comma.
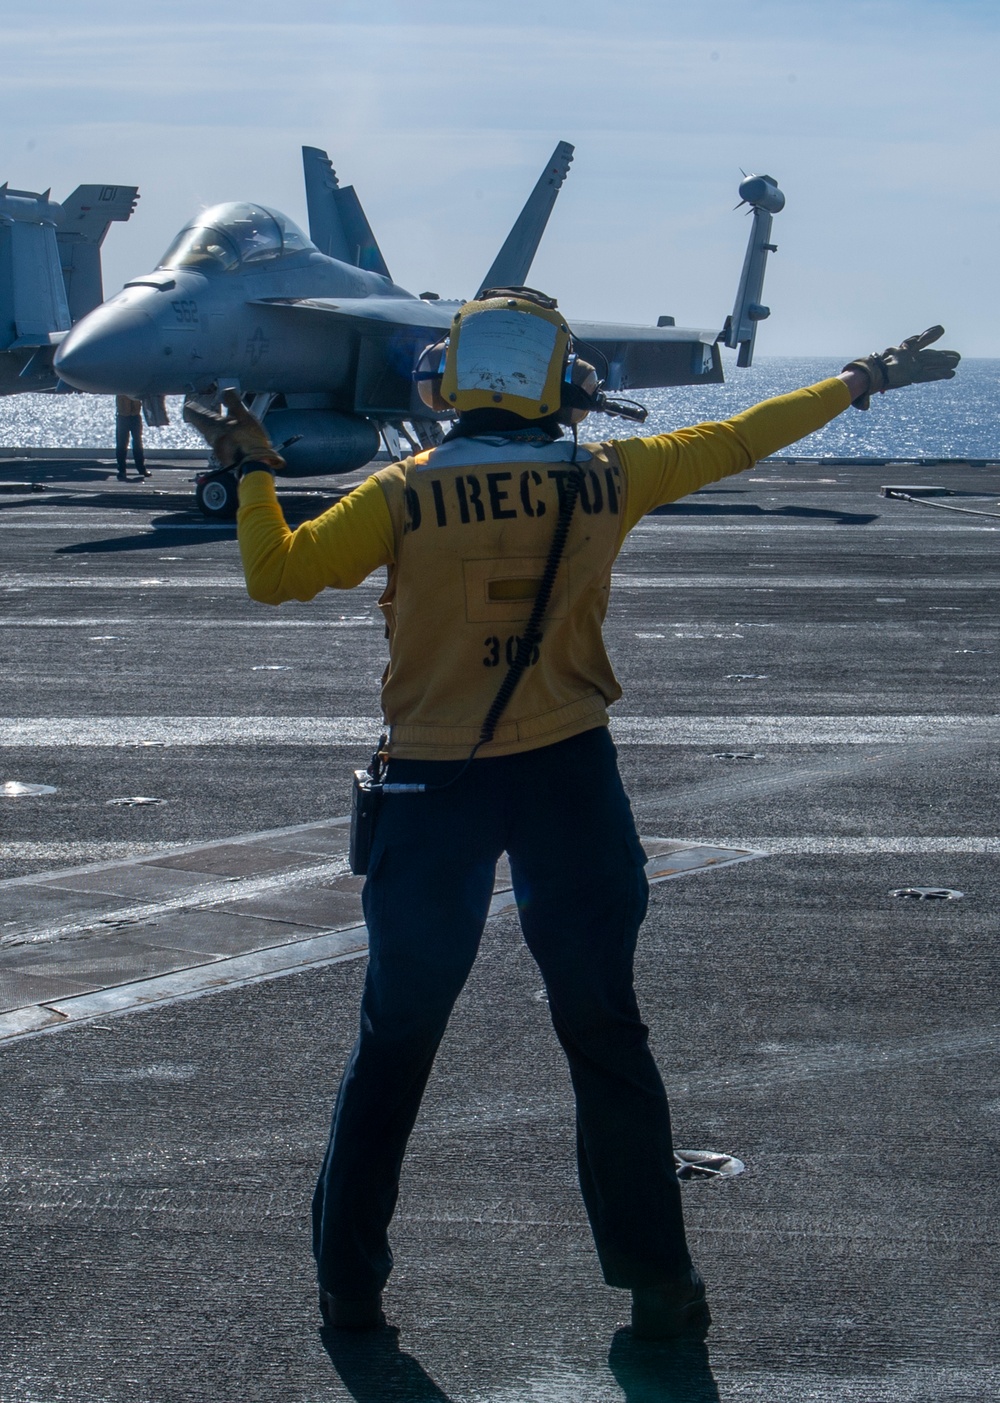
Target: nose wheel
{"x": 216, "y": 495}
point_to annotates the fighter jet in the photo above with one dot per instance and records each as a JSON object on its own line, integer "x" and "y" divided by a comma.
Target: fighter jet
{"x": 321, "y": 342}
{"x": 50, "y": 273}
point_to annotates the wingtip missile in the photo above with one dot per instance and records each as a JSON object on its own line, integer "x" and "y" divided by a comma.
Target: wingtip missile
{"x": 765, "y": 200}
{"x": 761, "y": 192}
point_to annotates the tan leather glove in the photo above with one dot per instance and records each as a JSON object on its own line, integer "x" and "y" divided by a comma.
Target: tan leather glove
{"x": 234, "y": 437}
{"x": 909, "y": 363}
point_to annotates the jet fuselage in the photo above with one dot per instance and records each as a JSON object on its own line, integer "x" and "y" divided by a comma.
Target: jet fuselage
{"x": 243, "y": 299}
{"x": 183, "y": 331}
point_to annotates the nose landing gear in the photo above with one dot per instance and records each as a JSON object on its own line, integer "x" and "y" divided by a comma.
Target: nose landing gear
{"x": 216, "y": 494}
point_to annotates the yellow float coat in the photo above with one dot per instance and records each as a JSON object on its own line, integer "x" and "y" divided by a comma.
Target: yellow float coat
{"x": 465, "y": 531}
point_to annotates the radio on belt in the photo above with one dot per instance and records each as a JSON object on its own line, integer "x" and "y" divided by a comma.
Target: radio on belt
{"x": 366, "y": 796}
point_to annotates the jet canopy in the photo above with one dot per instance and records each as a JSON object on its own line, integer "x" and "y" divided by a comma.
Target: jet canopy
{"x": 227, "y": 236}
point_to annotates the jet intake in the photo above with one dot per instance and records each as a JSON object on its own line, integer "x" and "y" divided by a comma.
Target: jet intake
{"x": 329, "y": 442}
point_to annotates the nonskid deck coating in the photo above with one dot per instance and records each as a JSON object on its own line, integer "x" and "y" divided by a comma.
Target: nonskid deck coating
{"x": 155, "y": 1171}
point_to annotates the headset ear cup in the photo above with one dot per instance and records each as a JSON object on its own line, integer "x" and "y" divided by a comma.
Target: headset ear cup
{"x": 427, "y": 376}
{"x": 579, "y": 388}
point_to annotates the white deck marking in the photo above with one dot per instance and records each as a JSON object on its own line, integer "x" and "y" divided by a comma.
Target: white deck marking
{"x": 143, "y": 621}
{"x": 122, "y": 581}
{"x": 745, "y": 582}
{"x": 116, "y": 731}
{"x": 763, "y": 580}
{"x": 802, "y": 526}
{"x": 153, "y": 580}
{"x": 836, "y": 846}
{"x": 140, "y": 522}
{"x": 701, "y": 628}
{"x": 79, "y": 851}
{"x": 726, "y": 732}
{"x": 180, "y": 847}
{"x": 676, "y": 524}
{"x": 75, "y": 851}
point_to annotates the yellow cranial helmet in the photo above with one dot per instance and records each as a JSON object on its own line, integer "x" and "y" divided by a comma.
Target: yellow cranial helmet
{"x": 507, "y": 349}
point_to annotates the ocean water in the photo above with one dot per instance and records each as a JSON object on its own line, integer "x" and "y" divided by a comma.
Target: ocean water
{"x": 957, "y": 418}
{"x": 81, "y": 421}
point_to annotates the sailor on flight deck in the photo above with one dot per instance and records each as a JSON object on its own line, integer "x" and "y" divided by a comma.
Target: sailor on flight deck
{"x": 465, "y": 531}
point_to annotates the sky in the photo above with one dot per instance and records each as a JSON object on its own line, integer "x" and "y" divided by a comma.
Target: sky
{"x": 878, "y": 118}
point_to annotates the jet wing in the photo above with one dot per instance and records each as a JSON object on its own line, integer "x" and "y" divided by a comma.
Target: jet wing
{"x": 385, "y": 336}
{"x": 649, "y": 357}
{"x": 390, "y": 332}
{"x": 373, "y": 314}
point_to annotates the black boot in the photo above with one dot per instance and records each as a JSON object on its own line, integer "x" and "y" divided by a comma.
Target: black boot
{"x": 677, "y": 1308}
{"x": 351, "y": 1312}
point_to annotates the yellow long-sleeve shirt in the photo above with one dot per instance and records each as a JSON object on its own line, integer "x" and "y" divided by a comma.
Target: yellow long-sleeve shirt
{"x": 465, "y": 533}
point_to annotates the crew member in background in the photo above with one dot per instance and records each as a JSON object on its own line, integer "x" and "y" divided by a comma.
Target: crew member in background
{"x": 128, "y": 424}
{"x": 466, "y": 533}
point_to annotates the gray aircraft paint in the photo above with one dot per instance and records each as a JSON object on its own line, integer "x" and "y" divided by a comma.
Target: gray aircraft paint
{"x": 323, "y": 326}
{"x": 50, "y": 273}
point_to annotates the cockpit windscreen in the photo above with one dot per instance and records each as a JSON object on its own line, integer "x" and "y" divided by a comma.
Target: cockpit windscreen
{"x": 228, "y": 236}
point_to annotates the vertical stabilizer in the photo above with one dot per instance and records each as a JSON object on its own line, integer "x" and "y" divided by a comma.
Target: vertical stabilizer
{"x": 32, "y": 296}
{"x": 325, "y": 228}
{"x": 337, "y": 223}
{"x": 513, "y": 263}
{"x": 86, "y": 217}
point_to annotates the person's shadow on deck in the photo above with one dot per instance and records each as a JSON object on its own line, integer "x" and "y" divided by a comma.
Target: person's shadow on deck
{"x": 673, "y": 1372}
{"x": 374, "y": 1369}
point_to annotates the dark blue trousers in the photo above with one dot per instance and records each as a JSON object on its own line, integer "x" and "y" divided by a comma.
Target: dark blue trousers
{"x": 561, "y": 814}
{"x": 129, "y": 426}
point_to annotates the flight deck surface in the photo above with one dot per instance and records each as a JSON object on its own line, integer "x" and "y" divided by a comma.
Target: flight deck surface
{"x": 810, "y": 675}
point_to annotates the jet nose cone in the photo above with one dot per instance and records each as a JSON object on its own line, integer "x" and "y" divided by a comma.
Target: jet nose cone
{"x": 110, "y": 350}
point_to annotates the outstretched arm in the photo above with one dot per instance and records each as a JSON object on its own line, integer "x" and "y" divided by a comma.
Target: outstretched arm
{"x": 668, "y": 466}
